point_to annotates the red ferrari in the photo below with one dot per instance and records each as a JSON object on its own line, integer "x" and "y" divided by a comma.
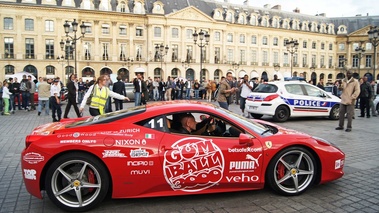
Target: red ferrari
{"x": 168, "y": 149}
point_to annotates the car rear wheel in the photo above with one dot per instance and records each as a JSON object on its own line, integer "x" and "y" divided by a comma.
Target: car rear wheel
{"x": 77, "y": 182}
{"x": 292, "y": 171}
{"x": 256, "y": 116}
{"x": 281, "y": 114}
{"x": 335, "y": 112}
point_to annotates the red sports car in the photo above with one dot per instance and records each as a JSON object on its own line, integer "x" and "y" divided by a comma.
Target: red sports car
{"x": 168, "y": 149}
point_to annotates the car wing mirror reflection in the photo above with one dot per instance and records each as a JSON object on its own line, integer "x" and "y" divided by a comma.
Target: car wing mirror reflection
{"x": 245, "y": 139}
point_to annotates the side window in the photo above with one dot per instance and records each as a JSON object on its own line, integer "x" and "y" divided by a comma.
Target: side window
{"x": 313, "y": 91}
{"x": 158, "y": 123}
{"x": 294, "y": 89}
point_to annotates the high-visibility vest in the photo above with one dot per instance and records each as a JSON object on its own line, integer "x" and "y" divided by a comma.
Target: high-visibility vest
{"x": 99, "y": 98}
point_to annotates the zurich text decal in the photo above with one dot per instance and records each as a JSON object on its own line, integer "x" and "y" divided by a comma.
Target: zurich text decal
{"x": 193, "y": 164}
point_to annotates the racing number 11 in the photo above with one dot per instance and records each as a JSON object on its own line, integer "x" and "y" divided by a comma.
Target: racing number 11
{"x": 159, "y": 122}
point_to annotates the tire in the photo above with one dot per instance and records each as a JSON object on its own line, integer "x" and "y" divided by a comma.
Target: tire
{"x": 292, "y": 171}
{"x": 65, "y": 184}
{"x": 335, "y": 112}
{"x": 256, "y": 116}
{"x": 282, "y": 114}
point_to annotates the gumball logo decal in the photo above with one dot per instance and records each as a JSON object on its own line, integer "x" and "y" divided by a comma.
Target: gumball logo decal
{"x": 193, "y": 164}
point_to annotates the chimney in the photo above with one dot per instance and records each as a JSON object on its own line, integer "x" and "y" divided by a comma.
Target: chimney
{"x": 277, "y": 7}
{"x": 267, "y": 6}
{"x": 246, "y": 3}
{"x": 296, "y": 10}
{"x": 322, "y": 14}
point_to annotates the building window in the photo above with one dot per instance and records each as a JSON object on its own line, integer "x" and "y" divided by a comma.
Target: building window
{"x": 276, "y": 57}
{"x": 105, "y": 29}
{"x": 368, "y": 60}
{"x": 189, "y": 54}
{"x": 139, "y": 32}
{"x": 87, "y": 51}
{"x": 139, "y": 53}
{"x": 29, "y": 48}
{"x": 122, "y": 7}
{"x": 88, "y": 27}
{"x": 305, "y": 44}
{"x": 229, "y": 37}
{"x": 217, "y": 55}
{"x": 229, "y": 17}
{"x": 122, "y": 52}
{"x": 242, "y": 39}
{"x": 355, "y": 60}
{"x": 330, "y": 46}
{"x": 105, "y": 52}
{"x": 341, "y": 61}
{"x": 330, "y": 62}
{"x": 49, "y": 49}
{"x": 49, "y": 26}
{"x": 50, "y": 70}
{"x": 8, "y": 23}
{"x": 322, "y": 46}
{"x": 217, "y": 36}
{"x": 305, "y": 60}
{"x": 29, "y": 24}
{"x": 189, "y": 33}
{"x": 341, "y": 46}
{"x": 8, "y": 48}
{"x": 285, "y": 58}
{"x": 314, "y": 45}
{"x": 9, "y": 70}
{"x": 264, "y": 40}
{"x": 230, "y": 56}
{"x": 175, "y": 33}
{"x": 285, "y": 42}
{"x": 175, "y": 51}
{"x": 295, "y": 59}
{"x": 243, "y": 56}
{"x": 122, "y": 30}
{"x": 254, "y": 56}
{"x": 253, "y": 39}
{"x": 275, "y": 41}
{"x": 314, "y": 60}
{"x": 322, "y": 61}
{"x": 157, "y": 32}
{"x": 265, "y": 57}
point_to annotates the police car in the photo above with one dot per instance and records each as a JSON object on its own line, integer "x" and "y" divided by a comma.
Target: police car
{"x": 291, "y": 98}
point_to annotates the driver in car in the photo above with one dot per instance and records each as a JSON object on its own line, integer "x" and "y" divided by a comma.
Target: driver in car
{"x": 190, "y": 126}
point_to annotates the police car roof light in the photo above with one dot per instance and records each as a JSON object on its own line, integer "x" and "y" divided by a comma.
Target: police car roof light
{"x": 295, "y": 78}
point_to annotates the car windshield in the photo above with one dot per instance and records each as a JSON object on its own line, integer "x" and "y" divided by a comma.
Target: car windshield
{"x": 254, "y": 126}
{"x": 266, "y": 88}
{"x": 109, "y": 117}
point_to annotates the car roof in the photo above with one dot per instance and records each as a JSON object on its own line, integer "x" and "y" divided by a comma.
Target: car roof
{"x": 180, "y": 104}
{"x": 286, "y": 82}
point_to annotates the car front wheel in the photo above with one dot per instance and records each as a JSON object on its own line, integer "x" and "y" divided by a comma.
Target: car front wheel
{"x": 292, "y": 171}
{"x": 77, "y": 182}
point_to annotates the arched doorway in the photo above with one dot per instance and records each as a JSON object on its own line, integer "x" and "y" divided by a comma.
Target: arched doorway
{"x": 88, "y": 72}
{"x": 50, "y": 70}
{"x": 340, "y": 75}
{"x": 356, "y": 75}
{"x": 9, "y": 69}
{"x": 175, "y": 73}
{"x": 264, "y": 76}
{"x": 314, "y": 78}
{"x": 241, "y": 73}
{"x": 204, "y": 75}
{"x": 217, "y": 75}
{"x": 105, "y": 71}
{"x": 190, "y": 74}
{"x": 124, "y": 74}
{"x": 158, "y": 72}
{"x": 32, "y": 70}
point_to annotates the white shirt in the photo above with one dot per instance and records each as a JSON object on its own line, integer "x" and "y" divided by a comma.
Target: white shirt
{"x": 54, "y": 90}
{"x": 245, "y": 90}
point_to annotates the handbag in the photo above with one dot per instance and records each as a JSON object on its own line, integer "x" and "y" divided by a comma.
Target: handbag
{"x": 90, "y": 96}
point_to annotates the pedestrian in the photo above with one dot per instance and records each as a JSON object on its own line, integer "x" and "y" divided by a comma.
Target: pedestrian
{"x": 43, "y": 96}
{"x": 196, "y": 88}
{"x": 145, "y": 92}
{"x": 11, "y": 97}
{"x": 1, "y": 97}
{"x": 137, "y": 82}
{"x": 161, "y": 89}
{"x": 320, "y": 84}
{"x": 155, "y": 89}
{"x": 71, "y": 97}
{"x": 208, "y": 89}
{"x": 225, "y": 91}
{"x": 246, "y": 87}
{"x": 16, "y": 92}
{"x": 55, "y": 101}
{"x": 169, "y": 88}
{"x": 5, "y": 97}
{"x": 119, "y": 88}
{"x": 100, "y": 94}
{"x": 81, "y": 90}
{"x": 25, "y": 86}
{"x": 31, "y": 92}
{"x": 364, "y": 98}
{"x": 350, "y": 92}
{"x": 373, "y": 96}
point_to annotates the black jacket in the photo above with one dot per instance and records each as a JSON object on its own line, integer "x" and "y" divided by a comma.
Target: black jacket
{"x": 137, "y": 86}
{"x": 119, "y": 87}
{"x": 71, "y": 89}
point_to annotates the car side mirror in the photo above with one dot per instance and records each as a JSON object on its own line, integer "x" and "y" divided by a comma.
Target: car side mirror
{"x": 245, "y": 139}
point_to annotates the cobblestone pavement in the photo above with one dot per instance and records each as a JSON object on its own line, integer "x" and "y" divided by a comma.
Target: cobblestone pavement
{"x": 357, "y": 191}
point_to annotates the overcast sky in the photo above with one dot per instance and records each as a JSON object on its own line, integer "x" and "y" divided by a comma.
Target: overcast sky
{"x": 332, "y": 8}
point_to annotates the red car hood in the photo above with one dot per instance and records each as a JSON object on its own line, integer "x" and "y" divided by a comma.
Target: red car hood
{"x": 282, "y": 130}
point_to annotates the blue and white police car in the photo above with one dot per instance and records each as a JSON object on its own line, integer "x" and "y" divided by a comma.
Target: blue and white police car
{"x": 291, "y": 98}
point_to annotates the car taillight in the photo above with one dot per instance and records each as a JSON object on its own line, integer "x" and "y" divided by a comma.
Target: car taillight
{"x": 271, "y": 97}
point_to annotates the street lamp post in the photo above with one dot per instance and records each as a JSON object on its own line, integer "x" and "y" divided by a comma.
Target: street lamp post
{"x": 373, "y": 38}
{"x": 162, "y": 51}
{"x": 202, "y": 43}
{"x": 61, "y": 61}
{"x": 360, "y": 53}
{"x": 71, "y": 40}
{"x": 292, "y": 47}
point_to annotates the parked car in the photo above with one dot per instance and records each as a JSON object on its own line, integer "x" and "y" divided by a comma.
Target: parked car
{"x": 140, "y": 152}
{"x": 285, "y": 99}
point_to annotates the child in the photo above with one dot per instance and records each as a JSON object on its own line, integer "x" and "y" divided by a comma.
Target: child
{"x": 6, "y": 95}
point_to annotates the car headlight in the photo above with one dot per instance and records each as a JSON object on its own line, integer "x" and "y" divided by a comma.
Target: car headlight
{"x": 324, "y": 142}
